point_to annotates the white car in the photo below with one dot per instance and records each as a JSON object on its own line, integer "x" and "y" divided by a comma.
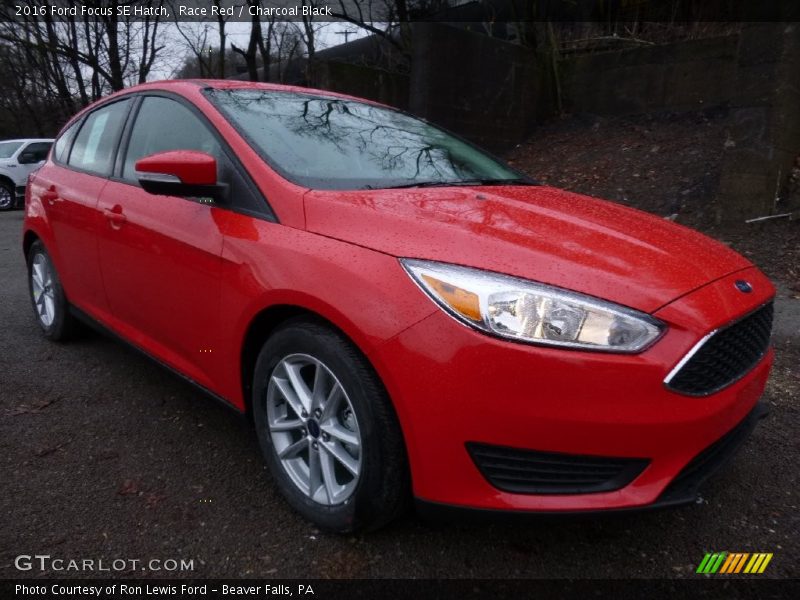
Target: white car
{"x": 18, "y": 158}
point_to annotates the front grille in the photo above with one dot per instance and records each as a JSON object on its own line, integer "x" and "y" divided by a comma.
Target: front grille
{"x": 726, "y": 356}
{"x": 532, "y": 472}
{"x": 684, "y": 487}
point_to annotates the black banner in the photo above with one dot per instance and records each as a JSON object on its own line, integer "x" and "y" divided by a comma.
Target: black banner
{"x": 381, "y": 11}
{"x": 418, "y": 589}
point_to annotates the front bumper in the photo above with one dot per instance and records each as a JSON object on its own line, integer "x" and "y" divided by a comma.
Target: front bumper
{"x": 684, "y": 489}
{"x": 453, "y": 386}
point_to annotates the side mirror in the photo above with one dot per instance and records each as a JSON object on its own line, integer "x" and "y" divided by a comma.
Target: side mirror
{"x": 185, "y": 173}
{"x": 27, "y": 158}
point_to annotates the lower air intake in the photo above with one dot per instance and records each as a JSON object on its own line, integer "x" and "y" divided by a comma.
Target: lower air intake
{"x": 532, "y": 472}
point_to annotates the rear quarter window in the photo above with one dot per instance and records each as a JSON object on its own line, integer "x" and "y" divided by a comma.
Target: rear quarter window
{"x": 63, "y": 143}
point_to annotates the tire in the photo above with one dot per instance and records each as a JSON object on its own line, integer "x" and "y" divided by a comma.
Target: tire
{"x": 8, "y": 196}
{"x": 50, "y": 305}
{"x": 337, "y": 499}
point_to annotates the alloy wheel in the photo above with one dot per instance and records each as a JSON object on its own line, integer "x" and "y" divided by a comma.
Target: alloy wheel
{"x": 314, "y": 429}
{"x": 42, "y": 287}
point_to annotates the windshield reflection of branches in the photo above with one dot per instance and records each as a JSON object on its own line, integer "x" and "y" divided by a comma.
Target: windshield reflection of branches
{"x": 385, "y": 138}
{"x": 398, "y": 146}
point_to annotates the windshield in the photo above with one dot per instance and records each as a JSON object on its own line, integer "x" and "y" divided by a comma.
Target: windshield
{"x": 336, "y": 143}
{"x": 7, "y": 149}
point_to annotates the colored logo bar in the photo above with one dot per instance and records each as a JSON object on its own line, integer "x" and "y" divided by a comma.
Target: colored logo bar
{"x": 734, "y": 562}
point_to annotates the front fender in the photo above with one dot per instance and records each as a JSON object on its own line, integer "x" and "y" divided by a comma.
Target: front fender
{"x": 365, "y": 294}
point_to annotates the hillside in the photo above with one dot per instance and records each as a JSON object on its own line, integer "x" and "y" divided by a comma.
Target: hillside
{"x": 666, "y": 164}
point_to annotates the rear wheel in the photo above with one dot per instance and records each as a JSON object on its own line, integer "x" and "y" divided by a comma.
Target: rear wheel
{"x": 49, "y": 303}
{"x": 327, "y": 429}
{"x": 7, "y": 196}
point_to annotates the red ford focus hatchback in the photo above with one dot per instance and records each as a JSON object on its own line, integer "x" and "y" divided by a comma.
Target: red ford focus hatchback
{"x": 402, "y": 315}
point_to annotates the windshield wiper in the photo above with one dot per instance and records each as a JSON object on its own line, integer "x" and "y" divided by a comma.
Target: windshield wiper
{"x": 461, "y": 182}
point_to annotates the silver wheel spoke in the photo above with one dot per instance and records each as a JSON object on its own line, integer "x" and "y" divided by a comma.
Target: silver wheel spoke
{"x": 341, "y": 433}
{"x": 298, "y": 385}
{"x": 286, "y": 425}
{"x": 314, "y": 473}
{"x": 292, "y": 450}
{"x": 36, "y": 276}
{"x": 321, "y": 383}
{"x": 49, "y": 308}
{"x": 341, "y": 455}
{"x": 328, "y": 474}
{"x": 333, "y": 402}
{"x": 287, "y": 391}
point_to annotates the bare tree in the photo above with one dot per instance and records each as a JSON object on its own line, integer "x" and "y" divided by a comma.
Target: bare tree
{"x": 309, "y": 30}
{"x": 109, "y": 46}
{"x": 210, "y": 61}
{"x": 52, "y": 66}
{"x": 287, "y": 47}
{"x": 222, "y": 37}
{"x": 196, "y": 40}
{"x": 379, "y": 17}
{"x": 255, "y": 42}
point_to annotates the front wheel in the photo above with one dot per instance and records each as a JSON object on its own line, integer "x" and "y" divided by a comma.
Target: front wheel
{"x": 327, "y": 429}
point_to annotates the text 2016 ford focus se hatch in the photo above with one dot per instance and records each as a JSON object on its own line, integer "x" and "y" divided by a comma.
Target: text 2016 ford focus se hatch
{"x": 402, "y": 315}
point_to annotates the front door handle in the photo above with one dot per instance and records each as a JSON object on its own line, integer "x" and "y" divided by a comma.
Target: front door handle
{"x": 115, "y": 216}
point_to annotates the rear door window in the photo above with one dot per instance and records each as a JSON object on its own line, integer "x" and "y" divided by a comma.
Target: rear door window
{"x": 96, "y": 144}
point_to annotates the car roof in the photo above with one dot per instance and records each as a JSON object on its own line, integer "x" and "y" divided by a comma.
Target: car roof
{"x": 190, "y": 85}
{"x": 28, "y": 140}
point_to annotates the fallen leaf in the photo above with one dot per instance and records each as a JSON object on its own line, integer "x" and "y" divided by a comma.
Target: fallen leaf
{"x": 129, "y": 486}
{"x": 50, "y": 450}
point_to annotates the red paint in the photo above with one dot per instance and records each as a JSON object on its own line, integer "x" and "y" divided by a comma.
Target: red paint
{"x": 179, "y": 278}
{"x": 190, "y": 166}
{"x": 452, "y": 384}
{"x": 540, "y": 233}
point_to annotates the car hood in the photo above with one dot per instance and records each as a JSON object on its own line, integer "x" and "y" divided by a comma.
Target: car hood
{"x": 539, "y": 233}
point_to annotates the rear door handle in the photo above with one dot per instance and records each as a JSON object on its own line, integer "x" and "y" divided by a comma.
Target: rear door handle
{"x": 115, "y": 216}
{"x": 51, "y": 196}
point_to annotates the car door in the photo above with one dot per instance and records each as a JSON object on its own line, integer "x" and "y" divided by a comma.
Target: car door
{"x": 71, "y": 186}
{"x": 160, "y": 255}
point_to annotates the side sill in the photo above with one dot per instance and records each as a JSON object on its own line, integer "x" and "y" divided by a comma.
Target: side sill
{"x": 100, "y": 328}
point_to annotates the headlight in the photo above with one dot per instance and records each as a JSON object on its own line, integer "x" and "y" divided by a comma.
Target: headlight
{"x": 532, "y": 312}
